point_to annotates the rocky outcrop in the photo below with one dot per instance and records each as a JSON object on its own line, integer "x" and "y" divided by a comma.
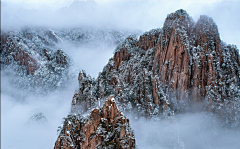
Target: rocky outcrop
{"x": 21, "y": 57}
{"x": 148, "y": 40}
{"x": 172, "y": 56}
{"x": 159, "y": 71}
{"x": 59, "y": 57}
{"x": 31, "y": 62}
{"x": 189, "y": 55}
{"x": 103, "y": 128}
{"x": 13, "y": 51}
{"x": 120, "y": 56}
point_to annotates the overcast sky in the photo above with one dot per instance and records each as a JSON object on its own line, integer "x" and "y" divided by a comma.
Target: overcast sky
{"x": 143, "y": 15}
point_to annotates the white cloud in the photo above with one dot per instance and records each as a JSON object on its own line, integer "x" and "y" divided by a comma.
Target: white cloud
{"x": 143, "y": 15}
{"x": 185, "y": 131}
{"x": 17, "y": 108}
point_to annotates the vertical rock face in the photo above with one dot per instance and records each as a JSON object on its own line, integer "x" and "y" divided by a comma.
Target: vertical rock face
{"x": 148, "y": 40}
{"x": 210, "y": 54}
{"x": 120, "y": 56}
{"x": 21, "y": 57}
{"x": 171, "y": 60}
{"x": 122, "y": 53}
{"x": 169, "y": 65}
{"x": 103, "y": 128}
{"x": 29, "y": 58}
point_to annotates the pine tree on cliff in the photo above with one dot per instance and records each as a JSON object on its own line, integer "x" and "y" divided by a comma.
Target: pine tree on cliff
{"x": 181, "y": 64}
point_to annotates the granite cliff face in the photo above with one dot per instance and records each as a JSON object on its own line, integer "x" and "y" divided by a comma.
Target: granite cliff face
{"x": 103, "y": 128}
{"x": 185, "y": 62}
{"x": 174, "y": 69}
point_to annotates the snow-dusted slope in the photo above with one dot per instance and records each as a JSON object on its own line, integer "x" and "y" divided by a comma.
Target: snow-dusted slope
{"x": 183, "y": 66}
{"x": 33, "y": 57}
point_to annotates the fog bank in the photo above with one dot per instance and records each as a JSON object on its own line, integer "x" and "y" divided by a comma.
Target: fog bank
{"x": 133, "y": 15}
{"x": 185, "y": 131}
{"x": 22, "y": 126}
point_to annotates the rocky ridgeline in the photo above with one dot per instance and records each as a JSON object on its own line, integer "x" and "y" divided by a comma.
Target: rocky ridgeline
{"x": 184, "y": 63}
{"x": 28, "y": 56}
{"x": 33, "y": 58}
{"x": 102, "y": 128}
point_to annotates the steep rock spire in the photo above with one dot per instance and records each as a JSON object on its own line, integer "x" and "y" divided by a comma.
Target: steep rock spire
{"x": 104, "y": 128}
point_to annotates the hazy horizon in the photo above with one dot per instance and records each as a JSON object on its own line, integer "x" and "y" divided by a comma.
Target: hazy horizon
{"x": 132, "y": 15}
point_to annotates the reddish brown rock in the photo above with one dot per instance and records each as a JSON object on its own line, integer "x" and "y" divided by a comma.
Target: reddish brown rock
{"x": 171, "y": 56}
{"x": 120, "y": 56}
{"x": 106, "y": 127}
{"x": 183, "y": 60}
{"x": 149, "y": 40}
{"x": 13, "y": 51}
{"x": 81, "y": 75}
{"x": 188, "y": 58}
{"x": 23, "y": 58}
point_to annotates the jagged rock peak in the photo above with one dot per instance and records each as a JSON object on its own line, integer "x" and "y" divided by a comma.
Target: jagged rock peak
{"x": 205, "y": 26}
{"x": 179, "y": 14}
{"x": 180, "y": 17}
{"x": 206, "y": 23}
{"x": 110, "y": 109}
{"x": 103, "y": 128}
{"x": 81, "y": 75}
{"x": 183, "y": 60}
